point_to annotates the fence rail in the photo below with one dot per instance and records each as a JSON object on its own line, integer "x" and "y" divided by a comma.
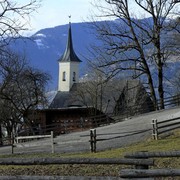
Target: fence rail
{"x": 138, "y": 173}
{"x": 145, "y": 154}
{"x": 46, "y": 161}
{"x": 80, "y": 161}
{"x": 140, "y": 160}
{"x": 150, "y": 173}
{"x": 15, "y": 141}
{"x": 95, "y": 137}
{"x": 165, "y": 126}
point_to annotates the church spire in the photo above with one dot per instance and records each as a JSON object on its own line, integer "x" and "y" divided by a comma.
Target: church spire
{"x": 69, "y": 53}
{"x": 68, "y": 65}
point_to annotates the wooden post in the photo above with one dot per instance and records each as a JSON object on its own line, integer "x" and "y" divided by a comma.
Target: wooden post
{"x": 142, "y": 166}
{"x": 12, "y": 143}
{"x": 93, "y": 140}
{"x": 52, "y": 141}
{"x": 155, "y": 129}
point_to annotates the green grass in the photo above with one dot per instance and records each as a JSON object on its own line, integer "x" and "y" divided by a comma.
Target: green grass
{"x": 170, "y": 143}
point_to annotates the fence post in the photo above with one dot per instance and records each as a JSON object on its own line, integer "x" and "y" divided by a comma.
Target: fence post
{"x": 142, "y": 166}
{"x": 155, "y": 129}
{"x": 93, "y": 140}
{"x": 52, "y": 141}
{"x": 12, "y": 143}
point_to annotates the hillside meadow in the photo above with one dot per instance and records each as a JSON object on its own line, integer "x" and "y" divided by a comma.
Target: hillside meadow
{"x": 170, "y": 143}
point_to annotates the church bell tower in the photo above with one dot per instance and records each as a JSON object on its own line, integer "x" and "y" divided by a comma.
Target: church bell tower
{"x": 68, "y": 66}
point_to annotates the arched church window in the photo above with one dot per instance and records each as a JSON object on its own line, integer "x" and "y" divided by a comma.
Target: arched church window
{"x": 74, "y": 76}
{"x": 64, "y": 76}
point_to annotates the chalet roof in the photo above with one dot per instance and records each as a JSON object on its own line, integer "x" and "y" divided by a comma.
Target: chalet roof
{"x": 81, "y": 95}
{"x": 65, "y": 99}
{"x": 69, "y": 53}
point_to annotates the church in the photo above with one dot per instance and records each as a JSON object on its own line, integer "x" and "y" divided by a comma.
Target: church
{"x": 83, "y": 105}
{"x": 67, "y": 112}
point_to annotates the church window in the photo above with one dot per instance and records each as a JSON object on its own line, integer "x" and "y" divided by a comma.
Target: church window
{"x": 64, "y": 76}
{"x": 74, "y": 76}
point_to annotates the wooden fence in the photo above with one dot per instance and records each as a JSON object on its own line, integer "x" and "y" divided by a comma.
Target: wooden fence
{"x": 17, "y": 140}
{"x": 94, "y": 137}
{"x": 70, "y": 161}
{"x": 133, "y": 110}
{"x": 165, "y": 126}
{"x": 144, "y": 171}
{"x": 140, "y": 163}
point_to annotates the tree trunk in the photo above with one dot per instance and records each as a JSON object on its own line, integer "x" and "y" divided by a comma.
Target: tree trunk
{"x": 160, "y": 67}
{"x": 9, "y": 133}
{"x": 1, "y": 142}
{"x": 152, "y": 92}
{"x": 160, "y": 88}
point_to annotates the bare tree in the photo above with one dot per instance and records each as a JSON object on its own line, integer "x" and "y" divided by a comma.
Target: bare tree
{"x": 96, "y": 91}
{"x": 22, "y": 91}
{"x": 15, "y": 18}
{"x": 137, "y": 45}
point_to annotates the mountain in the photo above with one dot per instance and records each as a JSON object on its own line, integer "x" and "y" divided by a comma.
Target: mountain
{"x": 44, "y": 48}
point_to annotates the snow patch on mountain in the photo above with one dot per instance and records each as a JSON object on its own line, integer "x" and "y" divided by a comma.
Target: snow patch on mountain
{"x": 40, "y": 44}
{"x": 40, "y": 35}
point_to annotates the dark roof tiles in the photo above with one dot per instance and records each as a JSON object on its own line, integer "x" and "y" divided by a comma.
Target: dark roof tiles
{"x": 81, "y": 95}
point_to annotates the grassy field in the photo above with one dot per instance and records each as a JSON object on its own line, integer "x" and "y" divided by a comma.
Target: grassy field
{"x": 166, "y": 144}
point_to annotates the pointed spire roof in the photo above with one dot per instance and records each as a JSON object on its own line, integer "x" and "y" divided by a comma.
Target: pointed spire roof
{"x": 69, "y": 53}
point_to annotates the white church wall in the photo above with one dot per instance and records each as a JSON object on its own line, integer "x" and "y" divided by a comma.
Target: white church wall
{"x": 69, "y": 68}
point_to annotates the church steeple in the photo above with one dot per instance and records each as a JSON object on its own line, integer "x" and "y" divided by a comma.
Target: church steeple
{"x": 68, "y": 66}
{"x": 69, "y": 53}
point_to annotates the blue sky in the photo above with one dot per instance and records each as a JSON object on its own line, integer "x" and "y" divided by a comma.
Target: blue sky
{"x": 56, "y": 12}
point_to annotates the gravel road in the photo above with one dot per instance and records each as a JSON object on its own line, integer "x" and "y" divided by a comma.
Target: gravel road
{"x": 130, "y": 131}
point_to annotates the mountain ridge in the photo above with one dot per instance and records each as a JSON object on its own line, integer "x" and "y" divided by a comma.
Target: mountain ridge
{"x": 47, "y": 45}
